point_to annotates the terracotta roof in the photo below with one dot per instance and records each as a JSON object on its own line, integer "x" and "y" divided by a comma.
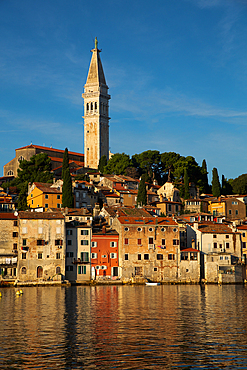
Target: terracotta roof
{"x": 40, "y": 215}
{"x": 46, "y": 188}
{"x": 73, "y": 211}
{"x": 50, "y": 149}
{"x": 7, "y": 216}
{"x": 164, "y": 221}
{"x": 242, "y": 227}
{"x": 112, "y": 195}
{"x": 211, "y": 228}
{"x": 190, "y": 250}
{"x": 108, "y": 232}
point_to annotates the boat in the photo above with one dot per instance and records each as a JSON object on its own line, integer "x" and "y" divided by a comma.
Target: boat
{"x": 149, "y": 283}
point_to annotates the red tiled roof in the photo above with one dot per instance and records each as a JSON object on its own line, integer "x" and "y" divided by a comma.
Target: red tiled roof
{"x": 190, "y": 250}
{"x": 212, "y": 228}
{"x": 125, "y": 220}
{"x": 40, "y": 215}
{"x": 50, "y": 149}
{"x": 46, "y": 188}
{"x": 7, "y": 216}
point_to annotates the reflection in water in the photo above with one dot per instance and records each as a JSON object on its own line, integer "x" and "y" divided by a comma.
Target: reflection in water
{"x": 124, "y": 327}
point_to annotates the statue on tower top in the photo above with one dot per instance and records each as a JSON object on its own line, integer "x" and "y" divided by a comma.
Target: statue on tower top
{"x": 96, "y": 43}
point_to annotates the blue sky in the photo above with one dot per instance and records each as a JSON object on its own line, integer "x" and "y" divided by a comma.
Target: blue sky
{"x": 176, "y": 71}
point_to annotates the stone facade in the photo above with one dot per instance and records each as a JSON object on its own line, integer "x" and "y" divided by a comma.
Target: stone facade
{"x": 8, "y": 245}
{"x": 96, "y": 113}
{"x": 41, "y": 246}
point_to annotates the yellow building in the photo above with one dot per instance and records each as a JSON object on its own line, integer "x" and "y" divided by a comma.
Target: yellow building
{"x": 44, "y": 195}
{"x": 217, "y": 207}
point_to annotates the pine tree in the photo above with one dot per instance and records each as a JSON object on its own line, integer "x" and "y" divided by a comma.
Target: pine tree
{"x": 102, "y": 163}
{"x": 142, "y": 192}
{"x": 65, "y": 162}
{"x": 215, "y": 183}
{"x": 186, "y": 185}
{"x": 68, "y": 199}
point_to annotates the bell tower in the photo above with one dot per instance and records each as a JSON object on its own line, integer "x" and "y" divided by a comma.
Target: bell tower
{"x": 96, "y": 112}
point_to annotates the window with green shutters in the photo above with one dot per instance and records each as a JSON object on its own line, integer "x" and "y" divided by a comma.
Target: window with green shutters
{"x": 82, "y": 269}
{"x": 85, "y": 256}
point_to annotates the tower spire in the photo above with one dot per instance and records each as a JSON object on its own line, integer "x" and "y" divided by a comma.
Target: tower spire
{"x": 96, "y": 112}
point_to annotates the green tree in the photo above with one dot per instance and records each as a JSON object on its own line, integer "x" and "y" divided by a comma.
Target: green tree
{"x": 239, "y": 185}
{"x": 204, "y": 178}
{"x": 168, "y": 160}
{"x": 65, "y": 162}
{"x": 215, "y": 183}
{"x": 37, "y": 169}
{"x": 117, "y": 164}
{"x": 148, "y": 163}
{"x": 186, "y": 185}
{"x": 142, "y": 192}
{"x": 68, "y": 199}
{"x": 226, "y": 187}
{"x": 102, "y": 163}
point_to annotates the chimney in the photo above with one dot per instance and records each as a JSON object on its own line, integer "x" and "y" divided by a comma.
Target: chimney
{"x": 66, "y": 211}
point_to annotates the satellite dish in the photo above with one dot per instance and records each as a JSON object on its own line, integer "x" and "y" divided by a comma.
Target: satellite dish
{"x": 16, "y": 213}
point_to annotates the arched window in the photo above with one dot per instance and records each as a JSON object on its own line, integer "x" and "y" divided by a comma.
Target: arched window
{"x": 87, "y": 107}
{"x": 39, "y": 272}
{"x": 58, "y": 270}
{"x": 10, "y": 173}
{"x": 21, "y": 158}
{"x": 23, "y": 270}
{"x": 91, "y": 106}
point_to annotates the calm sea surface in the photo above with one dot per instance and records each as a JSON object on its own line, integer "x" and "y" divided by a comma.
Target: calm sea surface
{"x": 124, "y": 327}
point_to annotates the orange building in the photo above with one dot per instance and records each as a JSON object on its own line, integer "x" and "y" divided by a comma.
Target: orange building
{"x": 45, "y": 196}
{"x": 104, "y": 254}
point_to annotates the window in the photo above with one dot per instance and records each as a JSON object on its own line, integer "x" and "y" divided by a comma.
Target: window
{"x": 163, "y": 241}
{"x": 15, "y": 246}
{"x": 139, "y": 241}
{"x": 163, "y": 229}
{"x": 113, "y": 244}
{"x": 226, "y": 258}
{"x": 150, "y": 240}
{"x": 58, "y": 205}
{"x": 104, "y": 256}
{"x": 69, "y": 232}
{"x": 58, "y": 256}
{"x": 10, "y": 173}
{"x": 15, "y": 234}
{"x": 227, "y": 236}
{"x": 82, "y": 270}
{"x": 243, "y": 234}
{"x": 139, "y": 257}
{"x": 58, "y": 242}
{"x": 215, "y": 245}
{"x": 184, "y": 256}
{"x": 24, "y": 256}
{"x": 236, "y": 212}
{"x": 113, "y": 255}
{"x": 58, "y": 270}
{"x": 214, "y": 236}
{"x": 15, "y": 223}
{"x": 169, "y": 208}
{"x": 40, "y": 256}
{"x": 46, "y": 205}
{"x": 139, "y": 229}
{"x": 84, "y": 232}
{"x": 126, "y": 257}
{"x": 146, "y": 256}
{"x": 69, "y": 254}
{"x": 69, "y": 242}
{"x": 126, "y": 229}
{"x": 85, "y": 256}
{"x": 24, "y": 242}
{"x": 244, "y": 244}
{"x": 235, "y": 203}
{"x": 46, "y": 196}
{"x": 171, "y": 257}
{"x": 40, "y": 242}
{"x": 221, "y": 258}
{"x": 94, "y": 244}
{"x": 93, "y": 255}
{"x": 84, "y": 242}
{"x": 155, "y": 269}
{"x": 159, "y": 256}
{"x": 58, "y": 196}
{"x": 174, "y": 230}
{"x": 150, "y": 229}
{"x": 227, "y": 245}
{"x": 230, "y": 212}
{"x": 193, "y": 256}
{"x": 23, "y": 270}
{"x": 126, "y": 241}
{"x": 175, "y": 242}
{"x": 68, "y": 268}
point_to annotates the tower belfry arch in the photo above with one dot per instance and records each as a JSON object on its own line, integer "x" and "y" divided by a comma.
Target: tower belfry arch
{"x": 96, "y": 112}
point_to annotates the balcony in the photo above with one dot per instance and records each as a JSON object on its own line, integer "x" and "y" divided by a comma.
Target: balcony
{"x": 8, "y": 261}
{"x": 151, "y": 246}
{"x": 80, "y": 262}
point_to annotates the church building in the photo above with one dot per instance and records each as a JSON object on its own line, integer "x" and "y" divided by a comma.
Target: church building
{"x": 96, "y": 112}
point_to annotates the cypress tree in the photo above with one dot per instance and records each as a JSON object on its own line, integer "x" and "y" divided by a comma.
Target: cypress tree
{"x": 65, "y": 162}
{"x": 215, "y": 183}
{"x": 186, "y": 185}
{"x": 142, "y": 192}
{"x": 205, "y": 176}
{"x": 68, "y": 199}
{"x": 102, "y": 163}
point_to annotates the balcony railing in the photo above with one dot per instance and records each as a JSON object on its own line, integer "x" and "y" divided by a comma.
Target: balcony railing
{"x": 8, "y": 261}
{"x": 80, "y": 262}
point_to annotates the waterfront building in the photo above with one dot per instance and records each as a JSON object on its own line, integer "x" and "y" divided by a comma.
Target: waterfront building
{"x": 96, "y": 112}
{"x": 149, "y": 247}
{"x": 8, "y": 246}
{"x": 104, "y": 254}
{"x": 78, "y": 251}
{"x": 41, "y": 249}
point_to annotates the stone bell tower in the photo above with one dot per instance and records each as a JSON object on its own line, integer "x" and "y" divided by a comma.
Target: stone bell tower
{"x": 96, "y": 112}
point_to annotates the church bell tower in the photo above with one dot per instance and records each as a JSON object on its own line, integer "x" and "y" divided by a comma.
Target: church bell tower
{"x": 96, "y": 112}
